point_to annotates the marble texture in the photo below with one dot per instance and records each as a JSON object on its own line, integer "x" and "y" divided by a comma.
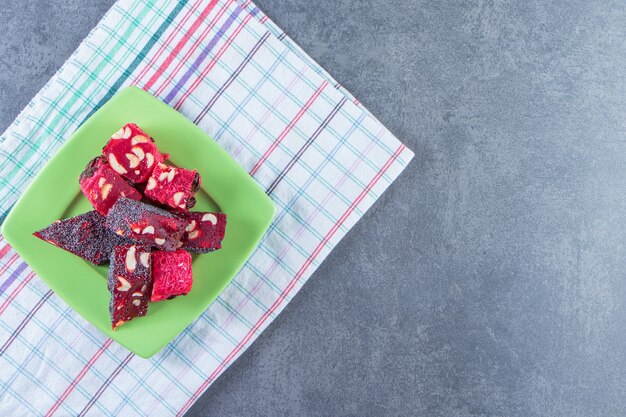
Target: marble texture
{"x": 489, "y": 279}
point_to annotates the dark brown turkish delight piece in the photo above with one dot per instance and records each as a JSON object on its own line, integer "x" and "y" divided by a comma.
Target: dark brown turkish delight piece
{"x": 146, "y": 224}
{"x": 84, "y": 235}
{"x": 204, "y": 231}
{"x": 130, "y": 283}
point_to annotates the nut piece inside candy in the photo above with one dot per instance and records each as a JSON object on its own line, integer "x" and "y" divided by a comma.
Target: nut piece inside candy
{"x": 149, "y": 160}
{"x": 194, "y": 234}
{"x": 139, "y": 139}
{"x": 191, "y": 226}
{"x": 159, "y": 241}
{"x": 133, "y": 160}
{"x": 118, "y": 135}
{"x": 139, "y": 152}
{"x": 167, "y": 174}
{"x": 151, "y": 183}
{"x": 116, "y": 165}
{"x": 177, "y": 197}
{"x": 210, "y": 217}
{"x": 124, "y": 284}
{"x": 148, "y": 230}
{"x": 131, "y": 260}
{"x": 144, "y": 258}
{"x": 123, "y": 133}
{"x": 106, "y": 189}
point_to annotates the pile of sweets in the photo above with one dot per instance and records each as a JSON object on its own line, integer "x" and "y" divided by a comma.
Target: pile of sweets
{"x": 141, "y": 224}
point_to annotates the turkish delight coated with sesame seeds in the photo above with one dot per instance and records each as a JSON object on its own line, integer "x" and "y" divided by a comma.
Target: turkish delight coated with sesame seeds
{"x": 102, "y": 186}
{"x": 173, "y": 186}
{"x": 204, "y": 232}
{"x": 129, "y": 282}
{"x": 146, "y": 224}
{"x": 84, "y": 235}
{"x": 132, "y": 153}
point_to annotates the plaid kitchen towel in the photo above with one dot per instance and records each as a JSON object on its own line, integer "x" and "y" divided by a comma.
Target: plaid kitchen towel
{"x": 321, "y": 157}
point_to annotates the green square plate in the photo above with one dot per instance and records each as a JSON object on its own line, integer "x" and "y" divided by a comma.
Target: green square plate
{"x": 55, "y": 194}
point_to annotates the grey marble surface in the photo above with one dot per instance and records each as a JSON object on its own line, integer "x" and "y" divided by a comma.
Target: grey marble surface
{"x": 489, "y": 279}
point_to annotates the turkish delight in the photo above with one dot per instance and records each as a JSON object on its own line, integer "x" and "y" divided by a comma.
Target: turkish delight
{"x": 173, "y": 186}
{"x": 147, "y": 224}
{"x": 102, "y": 186}
{"x": 204, "y": 231}
{"x": 84, "y": 235}
{"x": 132, "y": 153}
{"x": 129, "y": 281}
{"x": 171, "y": 274}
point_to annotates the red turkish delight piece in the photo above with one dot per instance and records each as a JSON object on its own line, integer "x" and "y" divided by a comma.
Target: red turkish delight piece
{"x": 102, "y": 186}
{"x": 173, "y": 186}
{"x": 171, "y": 274}
{"x": 146, "y": 224}
{"x": 129, "y": 282}
{"x": 84, "y": 235}
{"x": 132, "y": 153}
{"x": 204, "y": 231}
